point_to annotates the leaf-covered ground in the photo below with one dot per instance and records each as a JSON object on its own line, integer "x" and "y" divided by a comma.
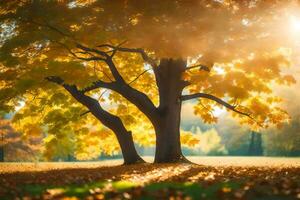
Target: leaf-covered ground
{"x": 149, "y": 181}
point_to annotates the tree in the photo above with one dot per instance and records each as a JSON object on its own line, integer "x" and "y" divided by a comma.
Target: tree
{"x": 4, "y": 128}
{"x": 255, "y": 144}
{"x": 210, "y": 142}
{"x": 2, "y": 148}
{"x": 153, "y": 55}
{"x": 285, "y": 142}
{"x": 14, "y": 147}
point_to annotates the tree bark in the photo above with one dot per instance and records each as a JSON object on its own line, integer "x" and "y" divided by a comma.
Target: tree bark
{"x": 129, "y": 152}
{"x": 114, "y": 123}
{"x": 170, "y": 85}
{"x": 109, "y": 120}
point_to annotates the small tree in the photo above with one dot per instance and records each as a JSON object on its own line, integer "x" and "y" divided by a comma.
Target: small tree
{"x": 4, "y": 130}
{"x": 2, "y": 148}
{"x": 13, "y": 147}
{"x": 255, "y": 144}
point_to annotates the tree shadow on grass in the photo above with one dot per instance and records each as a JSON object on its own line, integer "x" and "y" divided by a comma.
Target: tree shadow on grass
{"x": 154, "y": 181}
{"x": 162, "y": 181}
{"x": 71, "y": 175}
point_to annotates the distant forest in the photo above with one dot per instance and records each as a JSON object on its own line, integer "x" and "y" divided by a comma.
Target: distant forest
{"x": 213, "y": 142}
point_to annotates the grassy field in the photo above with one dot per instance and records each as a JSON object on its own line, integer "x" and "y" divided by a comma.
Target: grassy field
{"x": 210, "y": 178}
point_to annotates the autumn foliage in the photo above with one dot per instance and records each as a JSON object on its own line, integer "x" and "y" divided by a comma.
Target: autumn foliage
{"x": 138, "y": 61}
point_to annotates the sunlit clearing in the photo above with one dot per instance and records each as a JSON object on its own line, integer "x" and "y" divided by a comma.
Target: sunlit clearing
{"x": 295, "y": 24}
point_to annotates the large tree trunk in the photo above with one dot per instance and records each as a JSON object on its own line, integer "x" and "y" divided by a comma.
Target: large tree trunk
{"x": 167, "y": 127}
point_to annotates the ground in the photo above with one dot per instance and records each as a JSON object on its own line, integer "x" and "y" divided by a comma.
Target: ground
{"x": 210, "y": 178}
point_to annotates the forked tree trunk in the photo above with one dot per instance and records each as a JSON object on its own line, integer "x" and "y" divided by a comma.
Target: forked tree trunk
{"x": 124, "y": 137}
{"x": 129, "y": 152}
{"x": 113, "y": 122}
{"x": 167, "y": 127}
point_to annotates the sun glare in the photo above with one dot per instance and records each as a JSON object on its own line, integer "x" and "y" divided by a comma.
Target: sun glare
{"x": 218, "y": 111}
{"x": 219, "y": 70}
{"x": 295, "y": 24}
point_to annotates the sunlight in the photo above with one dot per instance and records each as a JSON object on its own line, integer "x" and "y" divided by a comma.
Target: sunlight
{"x": 218, "y": 111}
{"x": 295, "y": 24}
{"x": 219, "y": 70}
{"x": 161, "y": 174}
{"x": 20, "y": 105}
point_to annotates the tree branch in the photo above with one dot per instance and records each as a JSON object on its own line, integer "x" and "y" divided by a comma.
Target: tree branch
{"x": 98, "y": 84}
{"x": 200, "y": 66}
{"x": 84, "y": 113}
{"x": 139, "y": 99}
{"x": 92, "y": 58}
{"x": 216, "y": 99}
{"x": 47, "y": 25}
{"x": 138, "y": 76}
{"x": 119, "y": 85}
{"x": 87, "y": 49}
{"x": 130, "y": 50}
{"x": 107, "y": 59}
{"x": 136, "y": 97}
{"x": 55, "y": 79}
{"x": 109, "y": 120}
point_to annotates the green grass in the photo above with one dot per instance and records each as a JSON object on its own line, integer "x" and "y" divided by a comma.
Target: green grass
{"x": 75, "y": 190}
{"x": 194, "y": 190}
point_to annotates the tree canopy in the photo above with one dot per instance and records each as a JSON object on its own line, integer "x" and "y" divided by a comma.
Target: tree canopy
{"x": 235, "y": 52}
